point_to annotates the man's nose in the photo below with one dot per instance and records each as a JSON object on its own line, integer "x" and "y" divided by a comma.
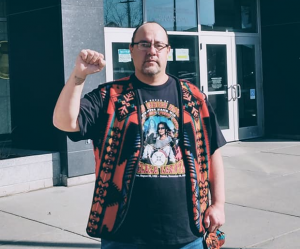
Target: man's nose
{"x": 152, "y": 50}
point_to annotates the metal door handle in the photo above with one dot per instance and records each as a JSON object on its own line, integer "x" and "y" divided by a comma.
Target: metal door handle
{"x": 233, "y": 93}
{"x": 239, "y": 91}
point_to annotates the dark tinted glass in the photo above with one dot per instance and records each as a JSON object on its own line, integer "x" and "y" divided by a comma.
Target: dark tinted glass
{"x": 5, "y": 111}
{"x": 183, "y": 59}
{"x": 232, "y": 15}
{"x": 219, "y": 103}
{"x": 122, "y": 63}
{"x": 216, "y": 67}
{"x": 2, "y": 8}
{"x": 245, "y": 56}
{"x": 217, "y": 82}
{"x": 123, "y": 13}
{"x": 174, "y": 15}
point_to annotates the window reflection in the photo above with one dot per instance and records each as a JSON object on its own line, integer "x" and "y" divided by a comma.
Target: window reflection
{"x": 219, "y": 103}
{"x": 234, "y": 15}
{"x": 5, "y": 110}
{"x": 122, "y": 63}
{"x": 183, "y": 59}
{"x": 2, "y": 8}
{"x": 245, "y": 55}
{"x": 217, "y": 82}
{"x": 174, "y": 15}
{"x": 216, "y": 67}
{"x": 123, "y": 13}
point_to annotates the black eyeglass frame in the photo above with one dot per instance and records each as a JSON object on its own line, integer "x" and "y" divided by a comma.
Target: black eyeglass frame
{"x": 150, "y": 44}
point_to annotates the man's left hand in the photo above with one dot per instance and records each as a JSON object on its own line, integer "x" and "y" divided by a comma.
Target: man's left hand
{"x": 214, "y": 217}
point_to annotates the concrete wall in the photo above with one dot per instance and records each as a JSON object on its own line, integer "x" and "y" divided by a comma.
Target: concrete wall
{"x": 34, "y": 170}
{"x": 82, "y": 27}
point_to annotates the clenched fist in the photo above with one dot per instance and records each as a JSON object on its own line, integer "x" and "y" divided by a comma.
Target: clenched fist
{"x": 88, "y": 62}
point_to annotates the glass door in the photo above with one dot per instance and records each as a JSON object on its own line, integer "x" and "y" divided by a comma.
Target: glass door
{"x": 249, "y": 87}
{"x": 230, "y": 74}
{"x": 217, "y": 81}
{"x": 183, "y": 59}
{"x": 231, "y": 77}
{"x": 117, "y": 53}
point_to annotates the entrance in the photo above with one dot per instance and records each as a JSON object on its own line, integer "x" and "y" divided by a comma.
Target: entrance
{"x": 229, "y": 73}
{"x": 231, "y": 77}
{"x": 183, "y": 59}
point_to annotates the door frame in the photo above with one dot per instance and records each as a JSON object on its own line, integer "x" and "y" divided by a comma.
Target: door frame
{"x": 114, "y": 35}
{"x": 234, "y": 133}
{"x": 230, "y": 134}
{"x": 258, "y": 130}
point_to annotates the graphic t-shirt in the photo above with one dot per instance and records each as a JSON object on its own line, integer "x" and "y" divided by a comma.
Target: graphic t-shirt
{"x": 158, "y": 212}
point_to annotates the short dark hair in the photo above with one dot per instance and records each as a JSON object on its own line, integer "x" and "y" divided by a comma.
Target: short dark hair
{"x": 165, "y": 126}
{"x": 137, "y": 28}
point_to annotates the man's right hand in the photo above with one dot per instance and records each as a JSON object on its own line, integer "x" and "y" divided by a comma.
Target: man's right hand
{"x": 88, "y": 62}
{"x": 68, "y": 104}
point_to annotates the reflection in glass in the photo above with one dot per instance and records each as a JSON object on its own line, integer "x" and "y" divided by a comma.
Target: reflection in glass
{"x": 183, "y": 59}
{"x": 216, "y": 67}
{"x": 247, "y": 79}
{"x": 3, "y": 8}
{"x": 173, "y": 15}
{"x": 219, "y": 103}
{"x": 234, "y": 15}
{"x": 123, "y": 13}
{"x": 5, "y": 109}
{"x": 122, "y": 63}
{"x": 217, "y": 82}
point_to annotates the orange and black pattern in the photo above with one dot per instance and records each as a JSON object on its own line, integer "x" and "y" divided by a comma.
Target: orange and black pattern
{"x": 114, "y": 169}
{"x": 118, "y": 152}
{"x": 196, "y": 150}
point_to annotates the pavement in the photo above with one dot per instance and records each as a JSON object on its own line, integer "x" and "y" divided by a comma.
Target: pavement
{"x": 262, "y": 180}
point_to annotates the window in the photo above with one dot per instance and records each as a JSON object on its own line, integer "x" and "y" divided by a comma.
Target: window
{"x": 231, "y": 15}
{"x": 174, "y": 15}
{"x": 123, "y": 13}
{"x": 183, "y": 59}
{"x": 5, "y": 120}
{"x": 217, "y": 82}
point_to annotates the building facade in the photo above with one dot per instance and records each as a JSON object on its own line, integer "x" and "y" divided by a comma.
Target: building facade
{"x": 230, "y": 49}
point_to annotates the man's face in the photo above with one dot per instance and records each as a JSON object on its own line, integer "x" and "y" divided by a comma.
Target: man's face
{"x": 150, "y": 62}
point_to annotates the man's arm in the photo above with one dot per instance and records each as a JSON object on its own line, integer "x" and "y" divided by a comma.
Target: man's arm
{"x": 215, "y": 214}
{"x": 68, "y": 104}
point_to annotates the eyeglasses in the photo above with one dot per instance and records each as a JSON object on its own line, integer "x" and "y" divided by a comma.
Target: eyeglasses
{"x": 161, "y": 128}
{"x": 146, "y": 45}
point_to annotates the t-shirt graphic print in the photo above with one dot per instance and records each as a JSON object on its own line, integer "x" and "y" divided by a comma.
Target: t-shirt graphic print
{"x": 158, "y": 211}
{"x": 161, "y": 156}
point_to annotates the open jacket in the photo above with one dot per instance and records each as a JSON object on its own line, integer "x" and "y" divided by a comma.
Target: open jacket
{"x": 117, "y": 148}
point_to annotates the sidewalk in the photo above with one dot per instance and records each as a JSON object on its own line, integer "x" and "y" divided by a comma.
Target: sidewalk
{"x": 262, "y": 204}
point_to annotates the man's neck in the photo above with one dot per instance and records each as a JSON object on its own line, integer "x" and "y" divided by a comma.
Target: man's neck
{"x": 154, "y": 80}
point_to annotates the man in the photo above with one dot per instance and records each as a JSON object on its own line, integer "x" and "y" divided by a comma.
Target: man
{"x": 137, "y": 204}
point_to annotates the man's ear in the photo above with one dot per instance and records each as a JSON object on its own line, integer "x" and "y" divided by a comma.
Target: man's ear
{"x": 169, "y": 49}
{"x": 130, "y": 48}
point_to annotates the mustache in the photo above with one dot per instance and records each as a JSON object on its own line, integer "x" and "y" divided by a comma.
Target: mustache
{"x": 151, "y": 60}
